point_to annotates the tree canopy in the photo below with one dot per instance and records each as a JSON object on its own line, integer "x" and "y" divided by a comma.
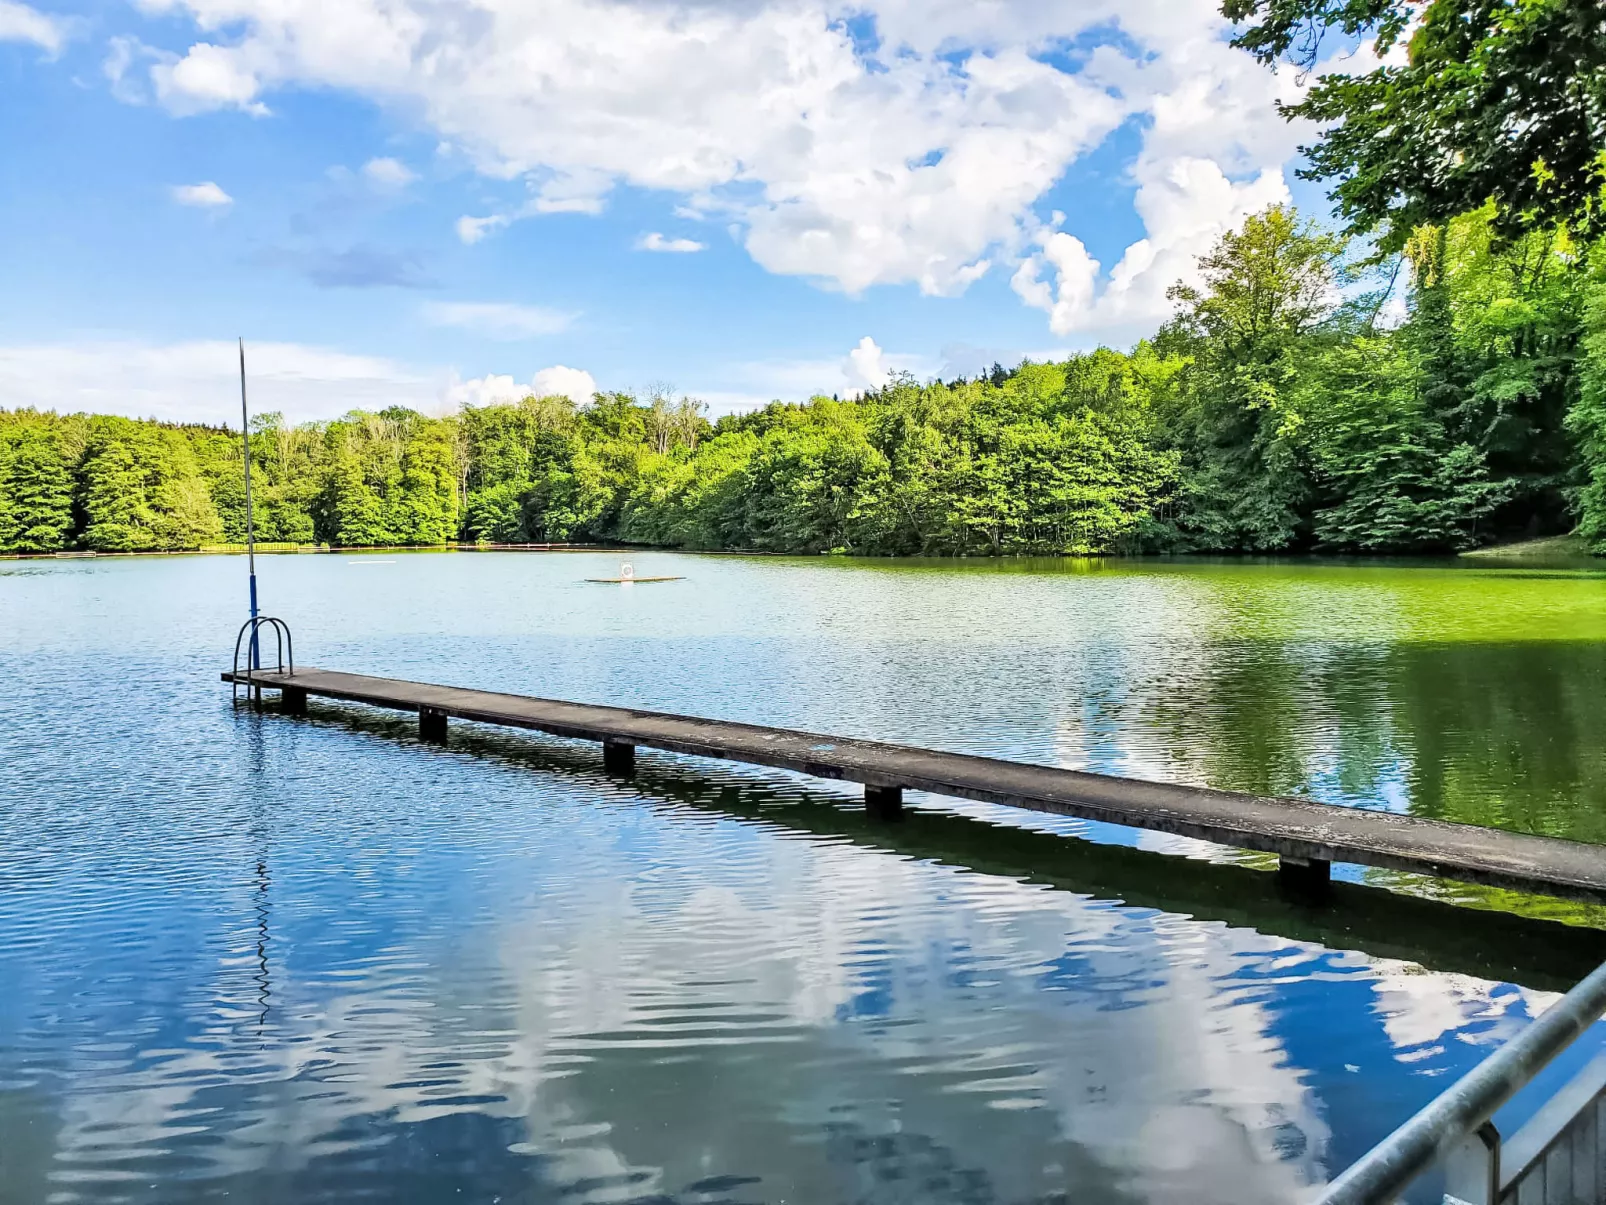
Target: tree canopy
{"x": 1498, "y": 102}
{"x": 1276, "y": 411}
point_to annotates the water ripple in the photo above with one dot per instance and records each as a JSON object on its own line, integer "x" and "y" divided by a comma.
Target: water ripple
{"x": 318, "y": 961}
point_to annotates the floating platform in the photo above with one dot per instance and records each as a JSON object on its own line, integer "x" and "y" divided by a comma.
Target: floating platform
{"x": 1306, "y": 836}
{"x": 610, "y": 581}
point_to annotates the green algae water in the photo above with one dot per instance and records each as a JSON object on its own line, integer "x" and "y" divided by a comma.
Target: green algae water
{"x": 249, "y": 957}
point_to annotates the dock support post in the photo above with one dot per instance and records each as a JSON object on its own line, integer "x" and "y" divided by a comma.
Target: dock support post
{"x": 1307, "y": 879}
{"x": 432, "y": 725}
{"x": 293, "y": 701}
{"x": 884, "y": 803}
{"x": 618, "y": 757}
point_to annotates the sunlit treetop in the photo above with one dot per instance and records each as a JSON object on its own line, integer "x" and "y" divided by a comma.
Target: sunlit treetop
{"x": 1496, "y": 100}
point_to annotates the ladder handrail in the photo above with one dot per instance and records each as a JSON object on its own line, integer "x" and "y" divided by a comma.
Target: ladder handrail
{"x": 284, "y": 646}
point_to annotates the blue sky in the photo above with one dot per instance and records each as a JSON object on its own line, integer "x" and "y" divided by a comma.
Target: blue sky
{"x": 444, "y": 201}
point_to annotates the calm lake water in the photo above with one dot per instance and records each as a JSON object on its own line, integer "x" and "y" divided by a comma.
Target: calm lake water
{"x": 264, "y": 959}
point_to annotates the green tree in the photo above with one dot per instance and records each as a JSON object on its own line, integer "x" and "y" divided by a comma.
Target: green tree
{"x": 1495, "y": 329}
{"x": 423, "y": 509}
{"x": 1392, "y": 479}
{"x": 285, "y": 469}
{"x": 118, "y": 516}
{"x": 35, "y": 491}
{"x": 1275, "y": 412}
{"x": 1587, "y": 420}
{"x": 350, "y": 511}
{"x": 813, "y": 482}
{"x": 1250, "y": 332}
{"x": 1497, "y": 101}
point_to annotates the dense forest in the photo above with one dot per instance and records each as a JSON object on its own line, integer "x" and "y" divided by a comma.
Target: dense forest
{"x": 1286, "y": 406}
{"x": 1430, "y": 378}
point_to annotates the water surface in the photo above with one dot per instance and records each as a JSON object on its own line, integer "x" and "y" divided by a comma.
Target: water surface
{"x": 249, "y": 957}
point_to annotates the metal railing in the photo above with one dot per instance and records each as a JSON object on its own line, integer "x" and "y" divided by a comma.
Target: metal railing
{"x": 284, "y": 649}
{"x": 1555, "y": 1159}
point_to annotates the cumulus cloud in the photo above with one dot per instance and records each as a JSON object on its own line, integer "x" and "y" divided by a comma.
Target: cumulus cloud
{"x": 205, "y": 195}
{"x": 866, "y": 366}
{"x": 198, "y": 381}
{"x": 658, "y": 242}
{"x": 1069, "y": 300}
{"x": 1186, "y": 205}
{"x": 389, "y": 174}
{"x": 19, "y": 23}
{"x": 208, "y": 77}
{"x": 917, "y": 156}
{"x": 1213, "y": 153}
{"x": 498, "y": 319}
{"x": 558, "y": 381}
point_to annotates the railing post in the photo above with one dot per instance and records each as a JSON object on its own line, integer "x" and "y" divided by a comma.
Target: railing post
{"x": 1472, "y": 1168}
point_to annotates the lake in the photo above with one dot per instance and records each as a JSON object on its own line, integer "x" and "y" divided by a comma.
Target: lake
{"x": 265, "y": 959}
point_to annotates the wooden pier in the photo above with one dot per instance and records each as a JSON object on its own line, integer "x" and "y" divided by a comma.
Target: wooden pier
{"x": 1307, "y": 837}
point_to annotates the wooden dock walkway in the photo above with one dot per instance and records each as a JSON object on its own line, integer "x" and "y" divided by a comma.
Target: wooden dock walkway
{"x": 1307, "y": 837}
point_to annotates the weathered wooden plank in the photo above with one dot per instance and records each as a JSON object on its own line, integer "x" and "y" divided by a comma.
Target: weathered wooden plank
{"x": 1292, "y": 828}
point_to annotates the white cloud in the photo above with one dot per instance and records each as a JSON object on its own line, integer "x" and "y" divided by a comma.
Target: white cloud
{"x": 498, "y": 319}
{"x": 1213, "y": 154}
{"x": 658, "y": 242}
{"x": 1186, "y": 205}
{"x": 1396, "y": 308}
{"x": 866, "y": 366}
{"x": 388, "y": 173}
{"x": 558, "y": 381}
{"x": 205, "y": 195}
{"x": 208, "y": 77}
{"x": 1070, "y": 300}
{"x": 471, "y": 230}
{"x": 750, "y": 384}
{"x": 19, "y": 23}
{"x": 918, "y": 163}
{"x": 199, "y": 381}
{"x": 573, "y": 383}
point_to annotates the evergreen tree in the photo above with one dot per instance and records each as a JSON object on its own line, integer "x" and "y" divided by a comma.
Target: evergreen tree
{"x": 35, "y": 492}
{"x": 8, "y": 509}
{"x": 351, "y": 511}
{"x": 117, "y": 512}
